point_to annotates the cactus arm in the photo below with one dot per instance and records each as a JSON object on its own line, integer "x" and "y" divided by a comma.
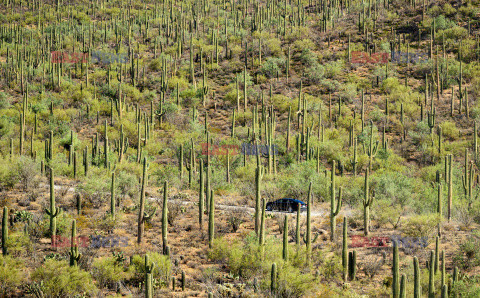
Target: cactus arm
{"x": 339, "y": 201}
{"x": 147, "y": 217}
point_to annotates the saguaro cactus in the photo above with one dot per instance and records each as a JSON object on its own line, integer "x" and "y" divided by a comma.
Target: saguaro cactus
{"x": 165, "y": 217}
{"x": 112, "y": 197}
{"x": 285, "y": 239}
{"x": 273, "y": 278}
{"x": 345, "y": 250}
{"x": 5, "y": 231}
{"x": 372, "y": 149}
{"x": 403, "y": 286}
{"x": 261, "y": 238}
{"x": 74, "y": 254}
{"x": 334, "y": 212}
{"x": 352, "y": 264}
{"x": 201, "y": 199}
{"x": 309, "y": 224}
{"x": 54, "y": 211}
{"x": 395, "y": 283}
{"x": 416, "y": 275}
{"x": 258, "y": 177}
{"x": 142, "y": 215}
{"x": 211, "y": 220}
{"x": 184, "y": 280}
{"x": 148, "y": 278}
{"x": 431, "y": 279}
{"x": 367, "y": 202}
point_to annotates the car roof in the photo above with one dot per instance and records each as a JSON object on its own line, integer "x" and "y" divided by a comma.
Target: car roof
{"x": 295, "y": 200}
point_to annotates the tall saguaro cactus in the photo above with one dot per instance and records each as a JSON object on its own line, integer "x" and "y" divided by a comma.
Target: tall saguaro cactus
{"x": 165, "y": 217}
{"x": 5, "y": 231}
{"x": 345, "y": 249}
{"x": 309, "y": 224}
{"x": 258, "y": 178}
{"x": 416, "y": 275}
{"x": 211, "y": 221}
{"x": 367, "y": 202}
{"x": 142, "y": 215}
{"x": 372, "y": 149}
{"x": 395, "y": 282}
{"x": 334, "y": 212}
{"x": 285, "y": 239}
{"x": 201, "y": 199}
{"x": 54, "y": 211}
{"x": 112, "y": 197}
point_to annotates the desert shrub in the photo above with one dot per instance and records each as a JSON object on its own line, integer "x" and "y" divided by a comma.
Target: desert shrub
{"x": 127, "y": 184}
{"x": 467, "y": 286}
{"x": 386, "y": 212}
{"x": 296, "y": 182}
{"x": 19, "y": 244}
{"x": 62, "y": 280}
{"x": 108, "y": 271}
{"x": 420, "y": 225}
{"x": 94, "y": 186}
{"x": 292, "y": 282}
{"x": 315, "y": 73}
{"x": 349, "y": 92}
{"x": 449, "y": 130}
{"x": 395, "y": 187}
{"x": 162, "y": 271}
{"x": 272, "y": 66}
{"x": 8, "y": 176}
{"x": 442, "y": 23}
{"x": 5, "y": 101}
{"x": 308, "y": 58}
{"x": 235, "y": 219}
{"x": 11, "y": 274}
{"x": 174, "y": 209}
{"x": 334, "y": 68}
{"x": 6, "y": 127}
{"x": 468, "y": 255}
{"x": 27, "y": 170}
{"x": 372, "y": 264}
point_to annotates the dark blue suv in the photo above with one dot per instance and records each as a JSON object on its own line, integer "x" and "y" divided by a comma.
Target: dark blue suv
{"x": 286, "y": 204}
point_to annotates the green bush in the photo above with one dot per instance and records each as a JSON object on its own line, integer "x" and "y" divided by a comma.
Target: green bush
{"x": 108, "y": 271}
{"x": 272, "y": 66}
{"x": 162, "y": 271}
{"x": 420, "y": 225}
{"x": 12, "y": 274}
{"x": 62, "y": 280}
{"x": 468, "y": 256}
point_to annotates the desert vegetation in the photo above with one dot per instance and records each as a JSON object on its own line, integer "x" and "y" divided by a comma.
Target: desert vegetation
{"x": 385, "y": 153}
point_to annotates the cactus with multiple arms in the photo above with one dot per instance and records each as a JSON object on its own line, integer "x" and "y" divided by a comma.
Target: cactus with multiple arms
{"x": 142, "y": 215}
{"x": 74, "y": 254}
{"x": 148, "y": 278}
{"x": 54, "y": 211}
{"x": 367, "y": 202}
{"x": 372, "y": 149}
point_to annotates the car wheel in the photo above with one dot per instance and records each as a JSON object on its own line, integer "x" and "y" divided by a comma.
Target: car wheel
{"x": 269, "y": 208}
{"x": 290, "y": 209}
